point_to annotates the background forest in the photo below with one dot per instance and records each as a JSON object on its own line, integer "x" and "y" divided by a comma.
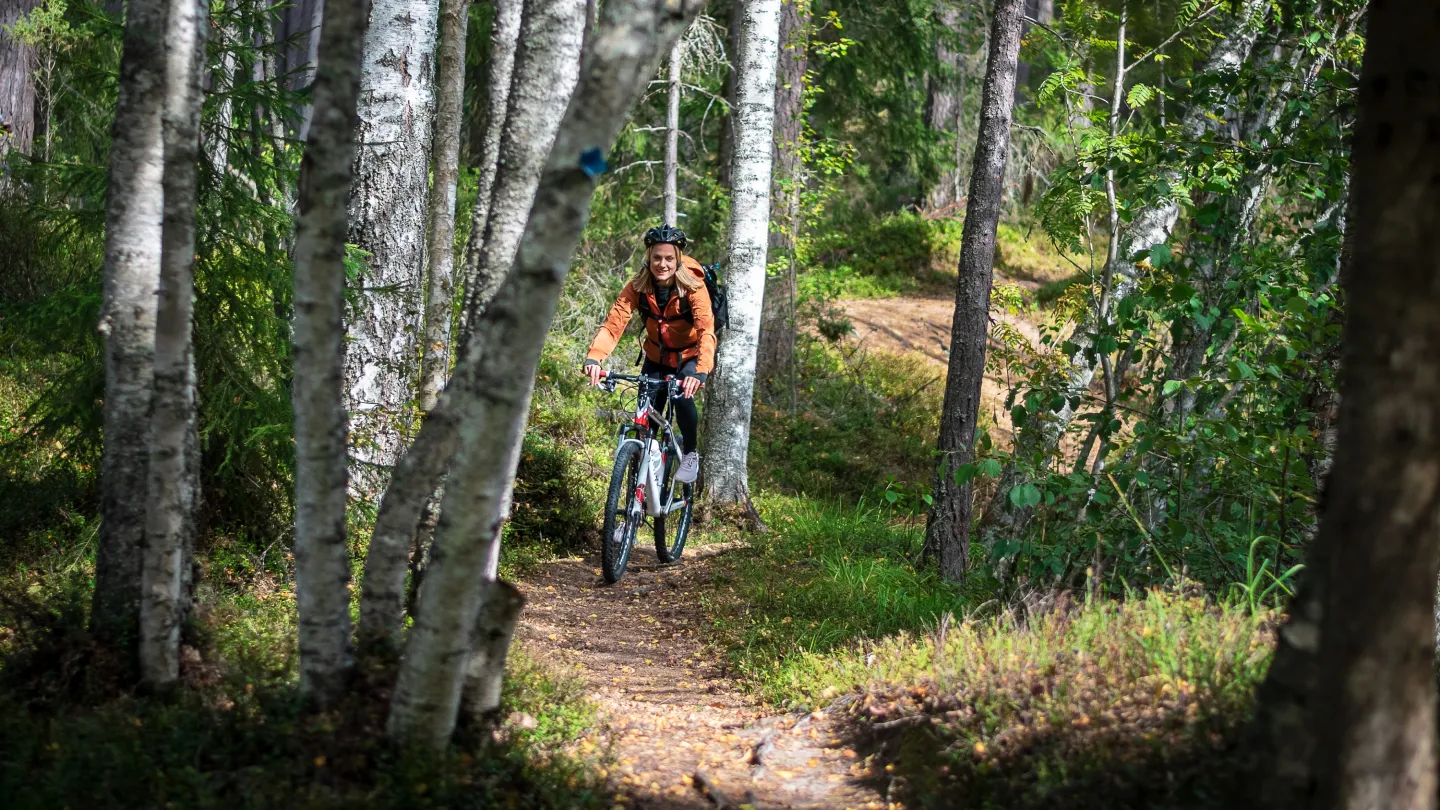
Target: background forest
{"x": 1156, "y": 422}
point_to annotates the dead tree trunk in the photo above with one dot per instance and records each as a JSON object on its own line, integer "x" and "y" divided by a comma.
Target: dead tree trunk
{"x": 134, "y": 212}
{"x": 322, "y": 563}
{"x": 174, "y": 475}
{"x": 947, "y": 529}
{"x": 733, "y": 384}
{"x": 492, "y": 383}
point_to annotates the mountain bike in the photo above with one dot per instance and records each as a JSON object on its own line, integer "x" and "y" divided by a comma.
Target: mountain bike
{"x": 642, "y": 483}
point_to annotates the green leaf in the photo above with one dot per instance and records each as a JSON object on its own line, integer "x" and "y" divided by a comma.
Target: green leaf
{"x": 1139, "y": 95}
{"x": 1160, "y": 255}
{"x": 964, "y": 473}
{"x": 1018, "y": 416}
{"x": 1171, "y": 386}
{"x": 891, "y": 496}
{"x": 990, "y": 468}
{"x": 1025, "y": 496}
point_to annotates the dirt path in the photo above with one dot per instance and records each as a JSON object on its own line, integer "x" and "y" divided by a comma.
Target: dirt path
{"x": 680, "y": 733}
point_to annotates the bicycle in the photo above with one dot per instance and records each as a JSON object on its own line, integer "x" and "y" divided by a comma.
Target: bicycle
{"x": 642, "y": 483}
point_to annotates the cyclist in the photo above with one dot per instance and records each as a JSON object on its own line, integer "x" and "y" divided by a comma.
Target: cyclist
{"x": 669, "y": 292}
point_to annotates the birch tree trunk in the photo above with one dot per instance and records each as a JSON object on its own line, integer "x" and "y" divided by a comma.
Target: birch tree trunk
{"x": 1149, "y": 226}
{"x": 947, "y": 529}
{"x": 322, "y": 569}
{"x": 733, "y": 383}
{"x": 174, "y": 474}
{"x": 1371, "y": 713}
{"x": 17, "y": 82}
{"x": 127, "y": 321}
{"x": 387, "y": 219}
{"x": 493, "y": 380}
{"x": 222, "y": 81}
{"x": 504, "y": 42}
{"x": 450, "y": 82}
{"x": 546, "y": 69}
{"x": 777, "y": 331}
{"x": 672, "y": 137}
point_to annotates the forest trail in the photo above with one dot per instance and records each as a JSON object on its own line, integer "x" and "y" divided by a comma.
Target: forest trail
{"x": 678, "y": 730}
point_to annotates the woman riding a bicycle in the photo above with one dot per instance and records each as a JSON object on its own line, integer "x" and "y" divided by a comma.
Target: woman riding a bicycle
{"x": 669, "y": 292}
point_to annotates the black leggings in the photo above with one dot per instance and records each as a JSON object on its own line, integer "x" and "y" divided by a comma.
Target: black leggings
{"x": 687, "y": 416}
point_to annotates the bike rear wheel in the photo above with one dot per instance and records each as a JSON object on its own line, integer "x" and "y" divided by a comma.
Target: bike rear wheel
{"x": 617, "y": 536}
{"x": 678, "y": 521}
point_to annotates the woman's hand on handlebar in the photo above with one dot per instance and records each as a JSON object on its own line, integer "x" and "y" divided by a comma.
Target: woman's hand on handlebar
{"x": 689, "y": 386}
{"x": 595, "y": 372}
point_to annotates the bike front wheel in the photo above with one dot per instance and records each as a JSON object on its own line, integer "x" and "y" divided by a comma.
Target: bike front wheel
{"x": 676, "y": 524}
{"x": 617, "y": 536}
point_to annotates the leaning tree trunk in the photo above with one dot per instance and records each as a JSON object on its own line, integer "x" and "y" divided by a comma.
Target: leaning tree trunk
{"x": 17, "y": 81}
{"x": 387, "y": 219}
{"x": 127, "y": 321}
{"x": 947, "y": 529}
{"x": 450, "y": 96}
{"x": 493, "y": 380}
{"x": 1372, "y": 715}
{"x": 733, "y": 383}
{"x": 1148, "y": 227}
{"x": 504, "y": 41}
{"x": 174, "y": 475}
{"x": 777, "y": 332}
{"x": 546, "y": 69}
{"x": 322, "y": 564}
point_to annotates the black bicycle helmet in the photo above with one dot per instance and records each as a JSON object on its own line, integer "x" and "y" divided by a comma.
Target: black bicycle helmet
{"x": 665, "y": 234}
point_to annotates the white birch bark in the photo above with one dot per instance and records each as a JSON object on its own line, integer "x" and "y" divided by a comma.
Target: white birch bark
{"x": 500, "y": 606}
{"x": 387, "y": 219}
{"x": 504, "y": 41}
{"x": 127, "y": 321}
{"x": 491, "y": 386}
{"x": 1150, "y": 226}
{"x": 547, "y": 66}
{"x": 322, "y": 565}
{"x": 672, "y": 137}
{"x": 733, "y": 383}
{"x": 450, "y": 83}
{"x": 174, "y": 476}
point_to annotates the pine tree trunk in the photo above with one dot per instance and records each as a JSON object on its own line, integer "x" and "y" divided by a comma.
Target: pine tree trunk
{"x": 504, "y": 42}
{"x": 672, "y": 136}
{"x": 547, "y": 66}
{"x": 493, "y": 380}
{"x": 450, "y": 82}
{"x": 1149, "y": 226}
{"x": 777, "y": 332}
{"x": 733, "y": 383}
{"x": 17, "y": 82}
{"x": 734, "y": 28}
{"x": 174, "y": 477}
{"x": 322, "y": 564}
{"x": 127, "y": 322}
{"x": 947, "y": 529}
{"x": 942, "y": 98}
{"x": 387, "y": 219}
{"x": 1371, "y": 703}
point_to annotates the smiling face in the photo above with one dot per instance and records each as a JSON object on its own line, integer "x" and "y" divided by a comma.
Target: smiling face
{"x": 663, "y": 260}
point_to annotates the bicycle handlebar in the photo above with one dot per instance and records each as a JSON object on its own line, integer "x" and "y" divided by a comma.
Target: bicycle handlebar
{"x": 608, "y": 381}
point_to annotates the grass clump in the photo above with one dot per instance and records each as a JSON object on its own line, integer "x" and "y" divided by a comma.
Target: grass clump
{"x": 1111, "y": 704}
{"x": 887, "y": 256}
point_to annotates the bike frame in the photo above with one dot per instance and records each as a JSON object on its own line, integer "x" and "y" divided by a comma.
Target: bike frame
{"x": 642, "y": 430}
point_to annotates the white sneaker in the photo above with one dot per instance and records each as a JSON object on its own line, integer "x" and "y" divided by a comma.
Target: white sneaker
{"x": 689, "y": 468}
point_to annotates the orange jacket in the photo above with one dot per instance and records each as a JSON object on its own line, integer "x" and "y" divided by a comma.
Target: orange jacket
{"x": 670, "y": 338}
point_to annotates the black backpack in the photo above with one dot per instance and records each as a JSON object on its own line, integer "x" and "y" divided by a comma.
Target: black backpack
{"x": 719, "y": 301}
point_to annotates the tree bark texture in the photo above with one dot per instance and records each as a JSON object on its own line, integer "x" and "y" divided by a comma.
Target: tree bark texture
{"x": 547, "y": 66}
{"x": 174, "y": 472}
{"x": 947, "y": 529}
{"x": 504, "y": 41}
{"x": 500, "y": 606}
{"x": 387, "y": 219}
{"x": 942, "y": 97}
{"x": 733, "y": 383}
{"x": 17, "y": 82}
{"x": 1374, "y": 717}
{"x": 127, "y": 321}
{"x": 672, "y": 136}
{"x": 777, "y": 332}
{"x": 322, "y": 565}
{"x": 440, "y": 298}
{"x": 1149, "y": 226}
{"x": 734, "y": 28}
{"x": 493, "y": 380}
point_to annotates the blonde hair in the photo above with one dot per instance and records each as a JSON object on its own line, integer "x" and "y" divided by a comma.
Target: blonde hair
{"x": 644, "y": 283}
